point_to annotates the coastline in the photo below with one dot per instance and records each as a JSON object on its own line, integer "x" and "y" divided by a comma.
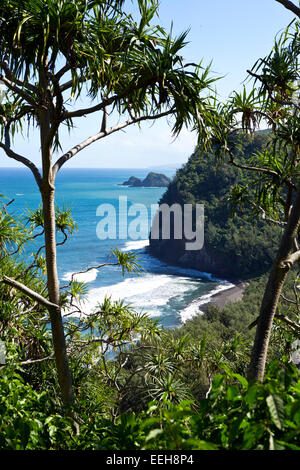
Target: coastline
{"x": 223, "y": 292}
{"x": 220, "y": 299}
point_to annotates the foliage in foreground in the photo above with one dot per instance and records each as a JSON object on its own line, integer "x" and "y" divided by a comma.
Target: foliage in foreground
{"x": 236, "y": 415}
{"x": 193, "y": 377}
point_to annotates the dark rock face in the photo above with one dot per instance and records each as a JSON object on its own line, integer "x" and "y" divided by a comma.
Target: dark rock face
{"x": 204, "y": 260}
{"x": 156, "y": 180}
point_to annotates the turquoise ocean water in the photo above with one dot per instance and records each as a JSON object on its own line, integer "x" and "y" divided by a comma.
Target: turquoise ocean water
{"x": 168, "y": 293}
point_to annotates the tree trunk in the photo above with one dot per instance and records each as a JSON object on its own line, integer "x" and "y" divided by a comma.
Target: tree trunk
{"x": 272, "y": 293}
{"x": 47, "y": 125}
{"x": 58, "y": 336}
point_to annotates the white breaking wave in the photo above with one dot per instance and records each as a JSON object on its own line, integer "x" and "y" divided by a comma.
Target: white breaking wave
{"x": 135, "y": 245}
{"x": 158, "y": 292}
{"x": 194, "y": 308}
{"x": 148, "y": 293}
{"x": 130, "y": 290}
{"x": 89, "y": 276}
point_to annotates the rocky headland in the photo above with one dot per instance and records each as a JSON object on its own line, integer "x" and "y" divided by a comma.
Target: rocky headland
{"x": 152, "y": 180}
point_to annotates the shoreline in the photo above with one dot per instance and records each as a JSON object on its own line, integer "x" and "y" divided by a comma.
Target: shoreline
{"x": 220, "y": 299}
{"x": 225, "y": 291}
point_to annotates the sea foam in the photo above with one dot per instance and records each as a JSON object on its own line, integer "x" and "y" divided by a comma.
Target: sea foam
{"x": 135, "y": 245}
{"x": 159, "y": 291}
{"x": 193, "y": 308}
{"x": 88, "y": 276}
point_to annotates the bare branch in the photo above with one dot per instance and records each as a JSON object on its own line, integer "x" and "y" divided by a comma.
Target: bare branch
{"x": 4, "y": 206}
{"x": 69, "y": 83}
{"x": 87, "y": 270}
{"x": 264, "y": 216}
{"x": 280, "y": 317}
{"x": 62, "y": 71}
{"x": 266, "y": 171}
{"x": 35, "y": 361}
{"x": 28, "y": 311}
{"x": 64, "y": 240}
{"x": 19, "y": 158}
{"x": 290, "y": 6}
{"x": 288, "y": 262}
{"x": 286, "y": 320}
{"x": 91, "y": 110}
{"x": 71, "y": 153}
{"x": 289, "y": 301}
{"x": 31, "y": 361}
{"x": 108, "y": 101}
{"x": 210, "y": 385}
{"x": 29, "y": 292}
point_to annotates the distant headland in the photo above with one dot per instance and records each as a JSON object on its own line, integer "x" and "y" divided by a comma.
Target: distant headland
{"x": 156, "y": 180}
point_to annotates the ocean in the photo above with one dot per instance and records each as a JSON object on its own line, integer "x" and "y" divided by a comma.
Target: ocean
{"x": 167, "y": 293}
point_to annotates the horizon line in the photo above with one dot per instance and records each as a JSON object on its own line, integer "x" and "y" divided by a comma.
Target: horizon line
{"x": 97, "y": 168}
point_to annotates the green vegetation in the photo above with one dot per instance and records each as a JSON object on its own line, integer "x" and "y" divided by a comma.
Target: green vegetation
{"x": 271, "y": 189}
{"x": 237, "y": 247}
{"x": 56, "y": 54}
{"x": 182, "y": 389}
{"x": 121, "y": 381}
{"x": 235, "y": 416}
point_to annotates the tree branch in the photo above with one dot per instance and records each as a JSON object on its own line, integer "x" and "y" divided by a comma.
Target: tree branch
{"x": 19, "y": 92}
{"x": 264, "y": 215}
{"x": 280, "y": 317}
{"x": 19, "y": 158}
{"x": 288, "y": 262}
{"x": 93, "y": 109}
{"x": 71, "y": 153}
{"x": 17, "y": 81}
{"x": 4, "y": 206}
{"x": 270, "y": 91}
{"x": 266, "y": 171}
{"x": 108, "y": 101}
{"x": 292, "y": 324}
{"x": 63, "y": 70}
{"x": 65, "y": 86}
{"x": 29, "y": 292}
{"x": 35, "y": 361}
{"x": 86, "y": 271}
{"x": 290, "y": 6}
{"x": 289, "y": 301}
{"x": 31, "y": 361}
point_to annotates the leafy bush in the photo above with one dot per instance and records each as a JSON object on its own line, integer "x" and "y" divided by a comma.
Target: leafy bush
{"x": 30, "y": 420}
{"x": 236, "y": 415}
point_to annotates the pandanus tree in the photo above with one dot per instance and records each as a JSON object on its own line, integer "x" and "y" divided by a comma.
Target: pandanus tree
{"x": 273, "y": 186}
{"x": 55, "y": 52}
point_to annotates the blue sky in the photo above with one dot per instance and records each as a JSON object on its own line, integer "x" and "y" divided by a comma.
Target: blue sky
{"x": 231, "y": 33}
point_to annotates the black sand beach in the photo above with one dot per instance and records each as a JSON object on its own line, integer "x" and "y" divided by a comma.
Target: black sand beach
{"x": 220, "y": 299}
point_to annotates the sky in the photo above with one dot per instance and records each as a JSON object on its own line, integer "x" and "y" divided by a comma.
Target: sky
{"x": 232, "y": 34}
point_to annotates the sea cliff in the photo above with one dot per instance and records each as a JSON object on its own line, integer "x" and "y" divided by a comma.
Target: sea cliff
{"x": 234, "y": 248}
